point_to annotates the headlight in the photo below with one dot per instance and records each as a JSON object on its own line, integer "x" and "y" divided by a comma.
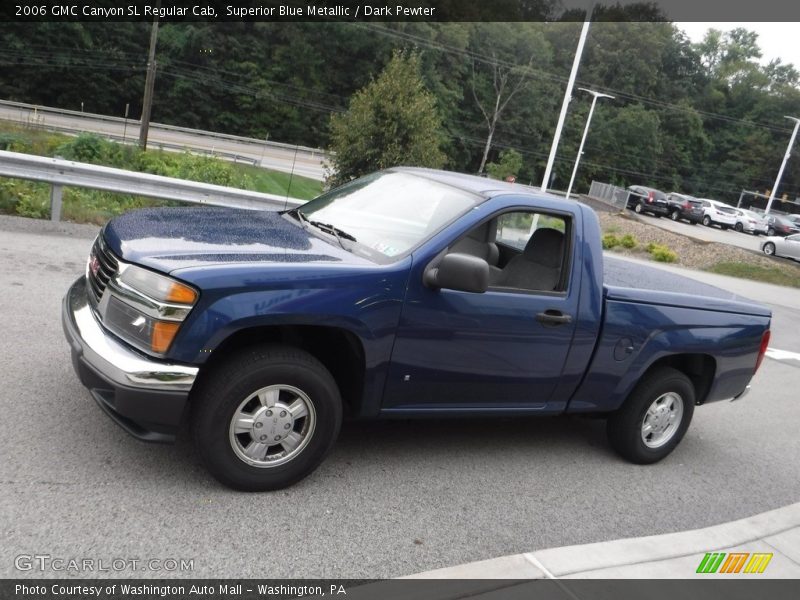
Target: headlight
{"x": 147, "y": 308}
{"x": 157, "y": 287}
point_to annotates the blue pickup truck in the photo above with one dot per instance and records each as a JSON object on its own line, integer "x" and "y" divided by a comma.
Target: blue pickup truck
{"x": 409, "y": 293}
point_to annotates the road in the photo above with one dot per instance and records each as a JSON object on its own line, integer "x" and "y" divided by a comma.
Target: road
{"x": 394, "y": 498}
{"x": 279, "y": 158}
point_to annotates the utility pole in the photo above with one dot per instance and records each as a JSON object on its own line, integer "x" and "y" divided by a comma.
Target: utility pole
{"x": 783, "y": 164}
{"x": 595, "y": 95}
{"x": 149, "y": 83}
{"x": 567, "y": 96}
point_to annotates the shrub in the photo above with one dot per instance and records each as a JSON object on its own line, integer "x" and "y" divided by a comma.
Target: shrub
{"x": 87, "y": 148}
{"x": 610, "y": 241}
{"x": 662, "y": 253}
{"x": 628, "y": 241}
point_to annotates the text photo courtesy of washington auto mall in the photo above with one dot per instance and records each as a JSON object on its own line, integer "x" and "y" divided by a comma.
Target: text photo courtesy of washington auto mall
{"x": 422, "y": 299}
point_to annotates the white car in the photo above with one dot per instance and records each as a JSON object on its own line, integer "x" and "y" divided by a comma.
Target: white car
{"x": 718, "y": 213}
{"x": 782, "y": 246}
{"x": 750, "y": 222}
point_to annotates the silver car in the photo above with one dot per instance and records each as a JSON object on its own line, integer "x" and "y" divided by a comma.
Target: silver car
{"x": 751, "y": 222}
{"x": 782, "y": 246}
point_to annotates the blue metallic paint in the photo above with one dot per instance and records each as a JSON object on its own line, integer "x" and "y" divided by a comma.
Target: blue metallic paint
{"x": 260, "y": 269}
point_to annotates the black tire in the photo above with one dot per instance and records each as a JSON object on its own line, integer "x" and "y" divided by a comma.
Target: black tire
{"x": 769, "y": 249}
{"x": 738, "y": 227}
{"x": 707, "y": 221}
{"x": 221, "y": 394}
{"x": 624, "y": 427}
{"x": 637, "y": 208}
{"x": 675, "y": 215}
{"x": 770, "y": 232}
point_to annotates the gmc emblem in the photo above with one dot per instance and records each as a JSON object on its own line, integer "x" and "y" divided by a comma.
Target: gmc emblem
{"x": 94, "y": 265}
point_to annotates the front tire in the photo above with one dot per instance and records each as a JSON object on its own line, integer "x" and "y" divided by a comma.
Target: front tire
{"x": 769, "y": 249}
{"x": 265, "y": 418}
{"x": 654, "y": 418}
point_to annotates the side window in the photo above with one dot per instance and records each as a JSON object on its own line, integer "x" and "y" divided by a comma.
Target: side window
{"x": 533, "y": 249}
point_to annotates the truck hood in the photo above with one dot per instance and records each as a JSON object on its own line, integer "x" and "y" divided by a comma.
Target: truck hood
{"x": 167, "y": 239}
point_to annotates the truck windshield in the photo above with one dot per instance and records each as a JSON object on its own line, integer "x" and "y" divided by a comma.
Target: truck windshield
{"x": 387, "y": 214}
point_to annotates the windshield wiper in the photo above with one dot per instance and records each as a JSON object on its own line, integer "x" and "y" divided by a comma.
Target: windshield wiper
{"x": 335, "y": 231}
{"x": 298, "y": 214}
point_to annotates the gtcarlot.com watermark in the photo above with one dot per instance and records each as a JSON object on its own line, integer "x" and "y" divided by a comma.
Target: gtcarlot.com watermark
{"x": 48, "y": 563}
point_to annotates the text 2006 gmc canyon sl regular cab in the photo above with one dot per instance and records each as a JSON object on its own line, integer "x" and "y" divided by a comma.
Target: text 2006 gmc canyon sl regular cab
{"x": 408, "y": 293}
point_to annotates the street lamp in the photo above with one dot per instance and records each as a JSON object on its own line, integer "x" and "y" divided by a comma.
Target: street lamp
{"x": 595, "y": 96}
{"x": 783, "y": 164}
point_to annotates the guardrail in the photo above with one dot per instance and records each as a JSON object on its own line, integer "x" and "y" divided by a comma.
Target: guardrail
{"x": 313, "y": 152}
{"x": 61, "y": 173}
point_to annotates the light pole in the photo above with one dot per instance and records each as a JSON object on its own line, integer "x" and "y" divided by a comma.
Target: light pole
{"x": 783, "y": 164}
{"x": 595, "y": 96}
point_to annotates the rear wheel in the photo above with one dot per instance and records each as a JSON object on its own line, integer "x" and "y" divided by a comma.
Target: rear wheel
{"x": 707, "y": 221}
{"x": 638, "y": 208}
{"x": 769, "y": 249}
{"x": 654, "y": 418}
{"x": 675, "y": 215}
{"x": 266, "y": 418}
{"x": 770, "y": 232}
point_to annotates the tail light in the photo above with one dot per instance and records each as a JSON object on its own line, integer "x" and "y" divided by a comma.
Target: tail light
{"x": 762, "y": 349}
{"x": 650, "y": 197}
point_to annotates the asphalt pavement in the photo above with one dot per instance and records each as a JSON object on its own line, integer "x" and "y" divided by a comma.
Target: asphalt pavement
{"x": 394, "y": 498}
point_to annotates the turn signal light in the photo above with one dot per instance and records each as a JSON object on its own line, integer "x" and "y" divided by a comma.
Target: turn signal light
{"x": 163, "y": 334}
{"x": 181, "y": 294}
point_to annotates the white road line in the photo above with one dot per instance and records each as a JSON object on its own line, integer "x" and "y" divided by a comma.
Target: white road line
{"x": 776, "y": 354}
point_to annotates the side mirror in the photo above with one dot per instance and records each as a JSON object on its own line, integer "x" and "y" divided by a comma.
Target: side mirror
{"x": 462, "y": 272}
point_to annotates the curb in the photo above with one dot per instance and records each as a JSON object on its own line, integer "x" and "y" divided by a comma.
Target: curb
{"x": 776, "y": 531}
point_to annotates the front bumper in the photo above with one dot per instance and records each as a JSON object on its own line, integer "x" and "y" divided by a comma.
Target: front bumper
{"x": 144, "y": 396}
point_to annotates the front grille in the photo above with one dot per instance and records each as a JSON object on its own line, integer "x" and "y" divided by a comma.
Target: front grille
{"x": 99, "y": 273}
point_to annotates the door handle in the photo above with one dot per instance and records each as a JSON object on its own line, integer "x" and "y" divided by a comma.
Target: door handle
{"x": 553, "y": 317}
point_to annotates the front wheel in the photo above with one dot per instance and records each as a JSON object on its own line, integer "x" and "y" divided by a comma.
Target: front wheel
{"x": 654, "y": 418}
{"x": 769, "y": 249}
{"x": 265, "y": 418}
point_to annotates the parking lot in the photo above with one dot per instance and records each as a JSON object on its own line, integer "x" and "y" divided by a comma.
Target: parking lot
{"x": 393, "y": 499}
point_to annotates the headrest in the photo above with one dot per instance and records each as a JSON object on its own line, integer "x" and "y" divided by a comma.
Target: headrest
{"x": 546, "y": 247}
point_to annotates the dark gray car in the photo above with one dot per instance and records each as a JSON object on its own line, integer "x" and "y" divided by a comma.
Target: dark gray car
{"x": 646, "y": 199}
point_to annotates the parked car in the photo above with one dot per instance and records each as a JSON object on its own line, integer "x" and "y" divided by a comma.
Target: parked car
{"x": 683, "y": 207}
{"x": 401, "y": 294}
{"x": 783, "y": 226}
{"x": 750, "y": 222}
{"x": 718, "y": 213}
{"x": 788, "y": 246}
{"x": 795, "y": 219}
{"x": 644, "y": 199}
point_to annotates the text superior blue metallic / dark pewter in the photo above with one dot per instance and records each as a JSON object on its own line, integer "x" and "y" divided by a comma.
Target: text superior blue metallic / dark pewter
{"x": 409, "y": 293}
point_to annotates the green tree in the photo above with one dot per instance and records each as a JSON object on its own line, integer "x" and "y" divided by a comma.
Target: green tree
{"x": 392, "y": 121}
{"x": 509, "y": 166}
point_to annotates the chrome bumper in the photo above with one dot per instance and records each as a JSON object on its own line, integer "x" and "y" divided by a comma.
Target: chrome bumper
{"x": 113, "y": 360}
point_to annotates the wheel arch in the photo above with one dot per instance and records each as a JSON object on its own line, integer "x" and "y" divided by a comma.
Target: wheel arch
{"x": 699, "y": 368}
{"x": 341, "y": 352}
